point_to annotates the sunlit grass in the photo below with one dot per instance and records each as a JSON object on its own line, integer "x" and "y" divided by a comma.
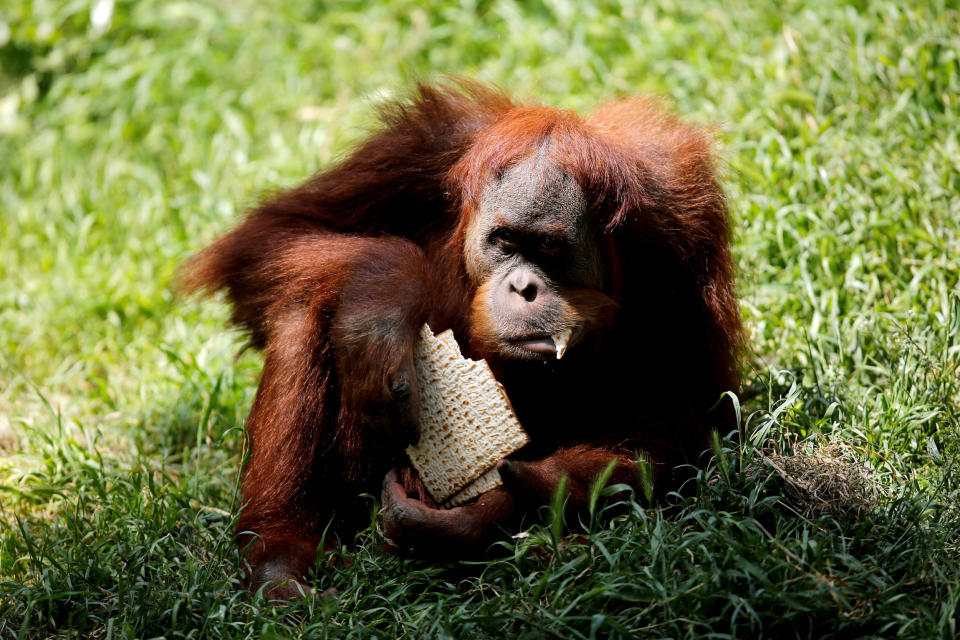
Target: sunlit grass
{"x": 127, "y": 147}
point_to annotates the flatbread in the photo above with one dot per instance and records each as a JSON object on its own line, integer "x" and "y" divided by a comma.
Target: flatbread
{"x": 466, "y": 422}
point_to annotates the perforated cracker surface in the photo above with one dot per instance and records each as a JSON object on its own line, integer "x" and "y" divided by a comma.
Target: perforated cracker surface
{"x": 466, "y": 422}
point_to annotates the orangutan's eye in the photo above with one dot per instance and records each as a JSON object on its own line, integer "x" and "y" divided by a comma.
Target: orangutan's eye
{"x": 550, "y": 244}
{"x": 505, "y": 240}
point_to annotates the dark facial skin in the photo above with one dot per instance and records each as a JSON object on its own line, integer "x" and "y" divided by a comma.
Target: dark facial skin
{"x": 529, "y": 241}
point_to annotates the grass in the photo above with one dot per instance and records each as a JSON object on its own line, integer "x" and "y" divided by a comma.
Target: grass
{"x": 126, "y": 146}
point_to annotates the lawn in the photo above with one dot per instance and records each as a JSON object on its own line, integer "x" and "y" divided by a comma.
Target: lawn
{"x": 133, "y": 134}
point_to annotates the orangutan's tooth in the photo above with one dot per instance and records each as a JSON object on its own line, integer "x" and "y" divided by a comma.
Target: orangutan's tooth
{"x": 560, "y": 340}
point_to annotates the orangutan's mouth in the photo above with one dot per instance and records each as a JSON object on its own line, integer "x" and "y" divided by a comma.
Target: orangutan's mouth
{"x": 546, "y": 346}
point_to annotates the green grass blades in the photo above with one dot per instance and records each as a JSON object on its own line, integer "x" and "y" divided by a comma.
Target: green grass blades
{"x": 132, "y": 133}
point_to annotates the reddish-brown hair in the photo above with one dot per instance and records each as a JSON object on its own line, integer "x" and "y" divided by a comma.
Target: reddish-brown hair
{"x": 333, "y": 278}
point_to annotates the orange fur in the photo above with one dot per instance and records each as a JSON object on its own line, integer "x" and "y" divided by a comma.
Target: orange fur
{"x": 332, "y": 279}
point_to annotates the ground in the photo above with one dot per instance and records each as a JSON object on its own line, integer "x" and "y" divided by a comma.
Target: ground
{"x": 131, "y": 134}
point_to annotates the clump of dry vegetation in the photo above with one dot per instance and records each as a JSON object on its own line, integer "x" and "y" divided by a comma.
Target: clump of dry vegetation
{"x": 825, "y": 480}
